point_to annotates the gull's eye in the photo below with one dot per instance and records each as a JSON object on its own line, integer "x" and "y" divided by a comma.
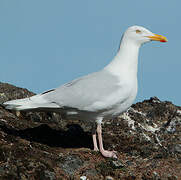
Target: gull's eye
{"x": 138, "y": 31}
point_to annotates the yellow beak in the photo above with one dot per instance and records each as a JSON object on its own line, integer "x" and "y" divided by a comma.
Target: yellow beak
{"x": 157, "y": 37}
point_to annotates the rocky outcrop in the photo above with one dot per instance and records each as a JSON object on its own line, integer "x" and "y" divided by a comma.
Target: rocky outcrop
{"x": 45, "y": 146}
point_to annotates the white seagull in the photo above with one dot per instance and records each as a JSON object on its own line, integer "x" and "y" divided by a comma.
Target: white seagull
{"x": 100, "y": 95}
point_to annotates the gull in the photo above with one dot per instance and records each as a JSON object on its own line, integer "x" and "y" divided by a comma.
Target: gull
{"x": 98, "y": 96}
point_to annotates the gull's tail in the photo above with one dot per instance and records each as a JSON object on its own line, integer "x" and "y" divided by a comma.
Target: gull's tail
{"x": 37, "y": 102}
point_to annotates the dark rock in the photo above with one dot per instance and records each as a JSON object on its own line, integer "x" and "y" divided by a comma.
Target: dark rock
{"x": 109, "y": 178}
{"x": 49, "y": 175}
{"x": 91, "y": 172}
{"x": 117, "y": 164}
{"x": 178, "y": 148}
{"x": 9, "y": 92}
{"x": 70, "y": 164}
{"x": 46, "y": 146}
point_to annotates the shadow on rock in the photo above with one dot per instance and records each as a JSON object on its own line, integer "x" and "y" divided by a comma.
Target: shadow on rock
{"x": 74, "y": 137}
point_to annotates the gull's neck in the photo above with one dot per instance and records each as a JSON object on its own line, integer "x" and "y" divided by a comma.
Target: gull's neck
{"x": 126, "y": 61}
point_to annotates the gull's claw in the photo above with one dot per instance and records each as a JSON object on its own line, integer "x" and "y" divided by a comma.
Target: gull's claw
{"x": 96, "y": 149}
{"x": 110, "y": 154}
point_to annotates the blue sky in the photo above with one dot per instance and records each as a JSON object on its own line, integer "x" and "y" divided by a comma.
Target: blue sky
{"x": 45, "y": 43}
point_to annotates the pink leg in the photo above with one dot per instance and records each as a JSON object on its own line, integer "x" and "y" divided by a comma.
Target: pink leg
{"x": 95, "y": 142}
{"x": 105, "y": 153}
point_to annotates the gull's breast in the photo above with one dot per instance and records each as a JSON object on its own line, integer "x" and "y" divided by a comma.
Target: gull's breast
{"x": 122, "y": 99}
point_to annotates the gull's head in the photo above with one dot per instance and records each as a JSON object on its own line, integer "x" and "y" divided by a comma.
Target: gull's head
{"x": 140, "y": 35}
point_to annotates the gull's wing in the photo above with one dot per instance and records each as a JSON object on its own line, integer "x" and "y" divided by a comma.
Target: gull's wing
{"x": 94, "y": 92}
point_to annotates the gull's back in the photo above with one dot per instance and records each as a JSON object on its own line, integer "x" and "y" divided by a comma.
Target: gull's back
{"x": 86, "y": 93}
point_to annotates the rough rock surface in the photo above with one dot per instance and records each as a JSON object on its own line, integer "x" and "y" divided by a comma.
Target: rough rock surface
{"x": 43, "y": 146}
